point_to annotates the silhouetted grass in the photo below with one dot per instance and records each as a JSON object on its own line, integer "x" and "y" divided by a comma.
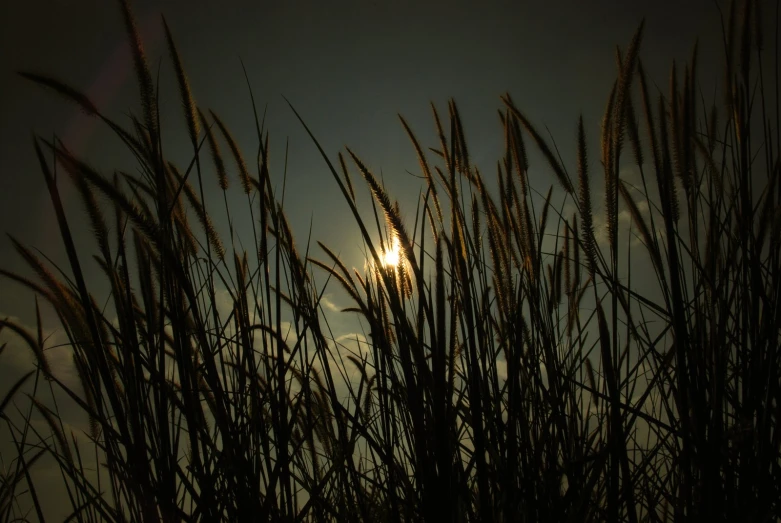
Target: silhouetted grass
{"x": 516, "y": 366}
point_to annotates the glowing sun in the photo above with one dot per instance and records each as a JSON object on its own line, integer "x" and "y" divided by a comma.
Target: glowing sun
{"x": 392, "y": 256}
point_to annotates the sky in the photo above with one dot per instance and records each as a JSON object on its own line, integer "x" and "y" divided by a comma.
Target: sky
{"x": 348, "y": 67}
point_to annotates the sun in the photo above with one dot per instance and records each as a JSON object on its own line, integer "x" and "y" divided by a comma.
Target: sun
{"x": 392, "y": 257}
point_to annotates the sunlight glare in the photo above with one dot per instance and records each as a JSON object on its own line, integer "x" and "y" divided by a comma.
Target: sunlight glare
{"x": 391, "y": 258}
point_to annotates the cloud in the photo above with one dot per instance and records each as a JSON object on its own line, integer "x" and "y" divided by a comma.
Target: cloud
{"x": 501, "y": 369}
{"x": 18, "y": 357}
{"x": 351, "y": 344}
{"x": 327, "y": 302}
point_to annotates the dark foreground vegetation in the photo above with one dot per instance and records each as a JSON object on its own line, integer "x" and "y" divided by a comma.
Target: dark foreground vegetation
{"x": 516, "y": 367}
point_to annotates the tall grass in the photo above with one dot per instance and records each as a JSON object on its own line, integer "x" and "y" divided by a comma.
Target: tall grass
{"x": 516, "y": 367}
